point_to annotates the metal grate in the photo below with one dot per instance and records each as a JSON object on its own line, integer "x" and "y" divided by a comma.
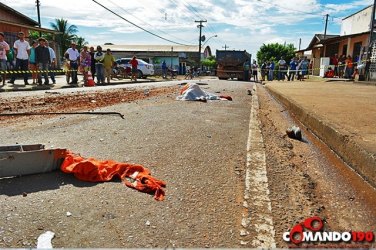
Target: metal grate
{"x": 372, "y": 67}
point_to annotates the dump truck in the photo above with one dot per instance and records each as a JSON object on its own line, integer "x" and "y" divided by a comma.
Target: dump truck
{"x": 231, "y": 64}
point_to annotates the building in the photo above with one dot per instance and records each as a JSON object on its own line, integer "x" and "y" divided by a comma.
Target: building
{"x": 12, "y": 22}
{"x": 177, "y": 57}
{"x": 353, "y": 40}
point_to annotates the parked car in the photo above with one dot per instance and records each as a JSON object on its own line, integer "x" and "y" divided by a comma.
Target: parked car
{"x": 144, "y": 69}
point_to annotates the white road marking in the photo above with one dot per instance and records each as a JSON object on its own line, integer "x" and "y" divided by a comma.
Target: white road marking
{"x": 258, "y": 218}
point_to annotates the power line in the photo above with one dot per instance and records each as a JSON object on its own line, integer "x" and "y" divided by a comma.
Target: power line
{"x": 282, "y": 7}
{"x": 138, "y": 25}
{"x": 193, "y": 12}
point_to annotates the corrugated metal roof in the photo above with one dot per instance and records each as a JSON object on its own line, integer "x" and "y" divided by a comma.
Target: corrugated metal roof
{"x": 150, "y": 48}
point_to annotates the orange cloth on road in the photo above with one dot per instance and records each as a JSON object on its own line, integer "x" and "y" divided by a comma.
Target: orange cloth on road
{"x": 93, "y": 170}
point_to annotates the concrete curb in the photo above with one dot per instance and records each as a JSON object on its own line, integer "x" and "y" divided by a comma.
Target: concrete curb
{"x": 359, "y": 159}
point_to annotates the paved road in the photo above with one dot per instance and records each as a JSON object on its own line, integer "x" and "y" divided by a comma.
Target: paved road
{"x": 226, "y": 187}
{"x": 199, "y": 149}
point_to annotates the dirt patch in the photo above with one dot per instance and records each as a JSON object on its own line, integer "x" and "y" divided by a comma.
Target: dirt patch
{"x": 306, "y": 179}
{"x": 57, "y": 102}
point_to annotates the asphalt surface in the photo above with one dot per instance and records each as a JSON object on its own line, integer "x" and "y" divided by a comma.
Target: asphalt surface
{"x": 340, "y": 113}
{"x": 206, "y": 153}
{"x": 198, "y": 148}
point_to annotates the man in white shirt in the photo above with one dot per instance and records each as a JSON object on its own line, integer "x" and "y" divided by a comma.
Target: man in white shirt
{"x": 73, "y": 55}
{"x": 4, "y": 49}
{"x": 22, "y": 51}
{"x": 52, "y": 65}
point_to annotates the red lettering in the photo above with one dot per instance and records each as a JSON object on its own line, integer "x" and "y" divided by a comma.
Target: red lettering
{"x": 296, "y": 234}
{"x": 354, "y": 238}
{"x": 314, "y": 224}
{"x": 361, "y": 236}
{"x": 369, "y": 236}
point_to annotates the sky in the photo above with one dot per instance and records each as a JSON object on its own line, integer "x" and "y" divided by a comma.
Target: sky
{"x": 234, "y": 24}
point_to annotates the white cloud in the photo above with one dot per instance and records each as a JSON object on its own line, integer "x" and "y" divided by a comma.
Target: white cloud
{"x": 245, "y": 24}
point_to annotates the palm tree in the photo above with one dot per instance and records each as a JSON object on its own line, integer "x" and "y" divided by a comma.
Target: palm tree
{"x": 80, "y": 41}
{"x": 66, "y": 35}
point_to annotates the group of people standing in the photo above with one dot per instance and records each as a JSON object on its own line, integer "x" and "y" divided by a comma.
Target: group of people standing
{"x": 39, "y": 58}
{"x": 297, "y": 68}
{"x": 98, "y": 63}
{"x": 343, "y": 66}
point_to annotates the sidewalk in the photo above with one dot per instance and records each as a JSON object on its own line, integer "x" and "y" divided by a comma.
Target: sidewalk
{"x": 342, "y": 114}
{"x": 61, "y": 83}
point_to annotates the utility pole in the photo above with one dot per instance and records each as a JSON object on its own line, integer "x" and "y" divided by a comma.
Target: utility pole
{"x": 371, "y": 40}
{"x": 326, "y": 24}
{"x": 39, "y": 23}
{"x": 300, "y": 42}
{"x": 199, "y": 40}
{"x": 372, "y": 24}
{"x": 226, "y": 47}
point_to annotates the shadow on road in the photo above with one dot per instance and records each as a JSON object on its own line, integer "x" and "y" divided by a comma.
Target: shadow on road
{"x": 39, "y": 182}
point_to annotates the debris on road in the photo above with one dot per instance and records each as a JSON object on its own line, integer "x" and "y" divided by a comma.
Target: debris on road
{"x": 44, "y": 240}
{"x": 192, "y": 92}
{"x": 90, "y": 169}
{"x": 35, "y": 156}
{"x": 63, "y": 113}
{"x": 294, "y": 132}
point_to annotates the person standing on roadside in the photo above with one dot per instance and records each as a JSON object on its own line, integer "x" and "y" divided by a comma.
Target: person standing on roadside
{"x": 42, "y": 58}
{"x": 32, "y": 63}
{"x": 73, "y": 56}
{"x": 134, "y": 64}
{"x": 335, "y": 61}
{"x": 271, "y": 71}
{"x": 341, "y": 66}
{"x": 22, "y": 49}
{"x": 52, "y": 65}
{"x": 85, "y": 63}
{"x": 282, "y": 69}
{"x": 92, "y": 65}
{"x": 99, "y": 69}
{"x": 108, "y": 63}
{"x": 349, "y": 70}
{"x": 164, "y": 69}
{"x": 292, "y": 71}
{"x": 4, "y": 50}
{"x": 254, "y": 71}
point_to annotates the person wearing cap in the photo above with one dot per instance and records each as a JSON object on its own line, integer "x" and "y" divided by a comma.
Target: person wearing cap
{"x": 42, "y": 58}
{"x": 73, "y": 55}
{"x": 108, "y": 63}
{"x": 4, "y": 49}
{"x": 22, "y": 50}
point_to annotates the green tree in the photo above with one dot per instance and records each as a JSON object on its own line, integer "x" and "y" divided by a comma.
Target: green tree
{"x": 66, "y": 35}
{"x": 209, "y": 62}
{"x": 80, "y": 41}
{"x": 33, "y": 35}
{"x": 274, "y": 52}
